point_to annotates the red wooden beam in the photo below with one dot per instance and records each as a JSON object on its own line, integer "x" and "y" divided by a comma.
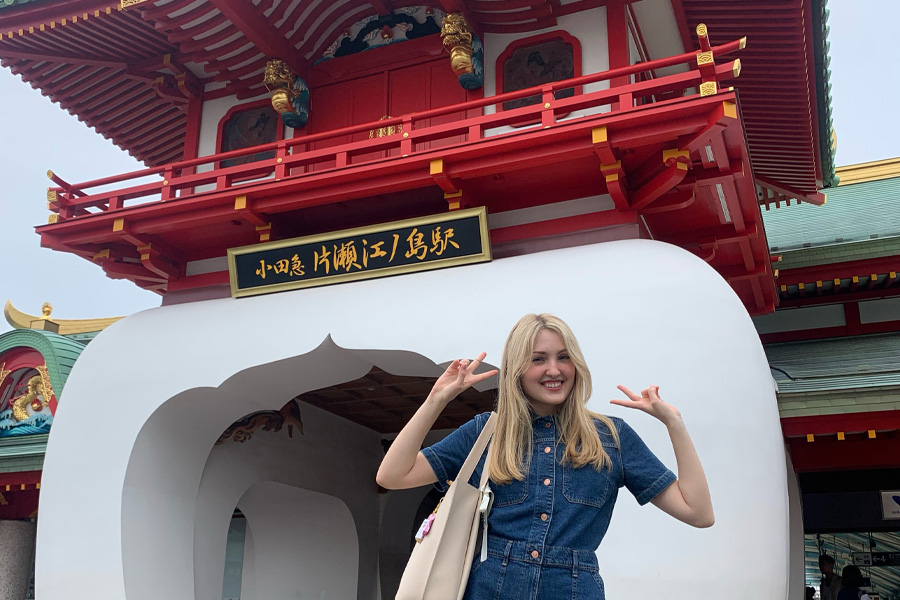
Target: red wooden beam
{"x": 19, "y": 478}
{"x": 255, "y": 28}
{"x": 617, "y": 39}
{"x": 881, "y": 420}
{"x": 69, "y": 59}
{"x": 845, "y": 455}
{"x": 817, "y": 198}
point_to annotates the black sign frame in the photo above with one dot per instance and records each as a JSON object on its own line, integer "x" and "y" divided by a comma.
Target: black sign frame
{"x": 434, "y": 242}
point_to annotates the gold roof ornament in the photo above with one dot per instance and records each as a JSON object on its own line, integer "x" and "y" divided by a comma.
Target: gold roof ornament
{"x": 20, "y": 320}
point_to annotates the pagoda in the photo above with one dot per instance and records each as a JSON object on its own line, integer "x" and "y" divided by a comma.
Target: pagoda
{"x": 339, "y": 197}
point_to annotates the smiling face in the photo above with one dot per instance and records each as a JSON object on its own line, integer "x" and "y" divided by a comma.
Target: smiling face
{"x": 550, "y": 376}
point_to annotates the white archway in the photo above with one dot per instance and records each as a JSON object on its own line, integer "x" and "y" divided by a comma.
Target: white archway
{"x": 644, "y": 312}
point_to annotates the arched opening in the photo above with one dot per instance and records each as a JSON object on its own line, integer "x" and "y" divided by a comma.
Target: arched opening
{"x": 304, "y": 544}
{"x": 310, "y": 500}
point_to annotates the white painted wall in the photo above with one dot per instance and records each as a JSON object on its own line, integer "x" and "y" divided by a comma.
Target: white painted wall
{"x": 590, "y": 29}
{"x": 176, "y": 376}
{"x": 795, "y": 319}
{"x": 879, "y": 311}
{"x": 656, "y": 19}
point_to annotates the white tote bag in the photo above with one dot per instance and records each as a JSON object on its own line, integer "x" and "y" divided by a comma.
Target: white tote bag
{"x": 439, "y": 565}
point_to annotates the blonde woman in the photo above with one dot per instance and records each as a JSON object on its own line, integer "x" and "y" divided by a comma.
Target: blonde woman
{"x": 556, "y": 467}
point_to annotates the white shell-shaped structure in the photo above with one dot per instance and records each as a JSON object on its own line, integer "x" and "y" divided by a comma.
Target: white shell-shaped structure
{"x": 136, "y": 500}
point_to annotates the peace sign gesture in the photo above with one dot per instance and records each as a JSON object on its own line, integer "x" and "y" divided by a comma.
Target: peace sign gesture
{"x": 459, "y": 376}
{"x": 649, "y": 402}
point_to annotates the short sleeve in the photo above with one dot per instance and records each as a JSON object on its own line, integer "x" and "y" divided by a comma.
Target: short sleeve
{"x": 645, "y": 476}
{"x": 448, "y": 455}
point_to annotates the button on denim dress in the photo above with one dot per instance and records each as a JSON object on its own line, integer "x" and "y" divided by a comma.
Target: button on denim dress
{"x": 543, "y": 531}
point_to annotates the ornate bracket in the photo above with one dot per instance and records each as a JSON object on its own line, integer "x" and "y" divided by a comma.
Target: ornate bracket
{"x": 289, "y": 93}
{"x": 466, "y": 52}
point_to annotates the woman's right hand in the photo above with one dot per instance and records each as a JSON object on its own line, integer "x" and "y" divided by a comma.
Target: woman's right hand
{"x": 459, "y": 376}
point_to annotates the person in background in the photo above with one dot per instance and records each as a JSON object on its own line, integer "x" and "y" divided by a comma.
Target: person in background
{"x": 831, "y": 583}
{"x": 851, "y": 581}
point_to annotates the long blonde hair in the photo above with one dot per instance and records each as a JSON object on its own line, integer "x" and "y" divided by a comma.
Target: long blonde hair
{"x": 512, "y": 438}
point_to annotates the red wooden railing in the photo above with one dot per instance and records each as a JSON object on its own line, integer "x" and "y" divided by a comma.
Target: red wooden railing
{"x": 294, "y": 159}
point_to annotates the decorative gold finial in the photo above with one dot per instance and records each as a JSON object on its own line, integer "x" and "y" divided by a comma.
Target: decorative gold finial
{"x": 701, "y": 30}
{"x": 736, "y": 69}
{"x": 46, "y": 310}
{"x": 49, "y": 174}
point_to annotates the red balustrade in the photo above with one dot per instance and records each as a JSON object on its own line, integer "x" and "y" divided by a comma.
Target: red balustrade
{"x": 293, "y": 160}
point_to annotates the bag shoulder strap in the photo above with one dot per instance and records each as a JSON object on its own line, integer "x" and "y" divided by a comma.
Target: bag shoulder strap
{"x": 468, "y": 467}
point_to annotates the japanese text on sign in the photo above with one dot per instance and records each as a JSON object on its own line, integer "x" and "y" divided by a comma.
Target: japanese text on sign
{"x": 432, "y": 242}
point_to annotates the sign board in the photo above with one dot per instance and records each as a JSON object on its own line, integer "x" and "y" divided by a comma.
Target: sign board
{"x": 890, "y": 505}
{"x": 434, "y": 242}
{"x": 876, "y": 559}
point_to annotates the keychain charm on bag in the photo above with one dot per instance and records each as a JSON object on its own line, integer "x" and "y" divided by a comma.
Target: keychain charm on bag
{"x": 484, "y": 509}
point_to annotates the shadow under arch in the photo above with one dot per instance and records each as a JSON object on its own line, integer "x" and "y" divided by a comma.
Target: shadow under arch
{"x": 180, "y": 490}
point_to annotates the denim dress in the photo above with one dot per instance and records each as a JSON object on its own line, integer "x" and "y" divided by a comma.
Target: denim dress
{"x": 543, "y": 531}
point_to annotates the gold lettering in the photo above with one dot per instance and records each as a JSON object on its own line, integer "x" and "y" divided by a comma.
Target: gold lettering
{"x": 321, "y": 260}
{"x": 345, "y": 257}
{"x": 297, "y": 268}
{"x": 394, "y": 249}
{"x": 417, "y": 245}
{"x": 282, "y": 266}
{"x": 263, "y": 267}
{"x": 440, "y": 240}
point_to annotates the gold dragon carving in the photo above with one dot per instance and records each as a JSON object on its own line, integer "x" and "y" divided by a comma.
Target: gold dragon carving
{"x": 279, "y": 80}
{"x": 37, "y": 395}
{"x": 457, "y": 38}
{"x": 32, "y": 397}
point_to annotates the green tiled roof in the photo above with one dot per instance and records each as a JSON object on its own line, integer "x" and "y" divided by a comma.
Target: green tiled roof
{"x": 26, "y": 447}
{"x": 853, "y": 213}
{"x": 59, "y": 352}
{"x": 836, "y": 364}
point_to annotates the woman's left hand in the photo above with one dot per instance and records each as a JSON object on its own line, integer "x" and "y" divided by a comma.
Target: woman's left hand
{"x": 649, "y": 402}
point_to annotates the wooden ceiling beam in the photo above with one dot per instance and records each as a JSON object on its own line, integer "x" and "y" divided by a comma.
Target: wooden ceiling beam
{"x": 67, "y": 59}
{"x": 256, "y": 29}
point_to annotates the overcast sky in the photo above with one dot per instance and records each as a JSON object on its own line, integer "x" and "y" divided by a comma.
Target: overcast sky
{"x": 38, "y": 135}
